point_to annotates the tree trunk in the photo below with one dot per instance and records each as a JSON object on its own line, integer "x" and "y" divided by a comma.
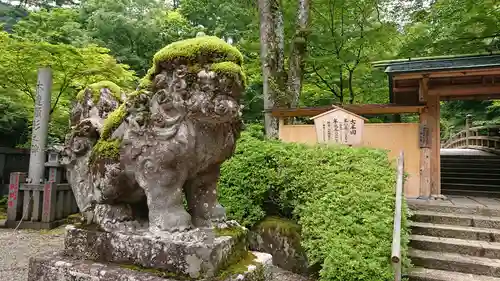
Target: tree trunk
{"x": 351, "y": 90}
{"x": 298, "y": 53}
{"x": 272, "y": 60}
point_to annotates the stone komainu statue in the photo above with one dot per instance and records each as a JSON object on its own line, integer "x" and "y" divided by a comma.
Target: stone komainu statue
{"x": 132, "y": 159}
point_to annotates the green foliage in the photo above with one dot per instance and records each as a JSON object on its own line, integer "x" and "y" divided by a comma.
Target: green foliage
{"x": 342, "y": 197}
{"x": 55, "y": 26}
{"x": 223, "y": 18}
{"x": 3, "y": 206}
{"x": 71, "y": 69}
{"x": 134, "y": 30}
{"x": 14, "y": 119}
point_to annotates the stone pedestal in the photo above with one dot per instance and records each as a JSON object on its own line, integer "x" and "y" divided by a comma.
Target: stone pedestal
{"x": 200, "y": 254}
{"x": 58, "y": 267}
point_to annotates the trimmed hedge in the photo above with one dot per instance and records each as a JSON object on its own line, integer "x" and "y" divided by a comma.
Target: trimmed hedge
{"x": 342, "y": 197}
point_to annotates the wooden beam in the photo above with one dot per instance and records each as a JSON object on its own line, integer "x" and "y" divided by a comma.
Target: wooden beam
{"x": 361, "y": 109}
{"x": 443, "y": 74}
{"x": 423, "y": 89}
{"x": 464, "y": 90}
{"x": 405, "y": 89}
{"x": 475, "y": 97}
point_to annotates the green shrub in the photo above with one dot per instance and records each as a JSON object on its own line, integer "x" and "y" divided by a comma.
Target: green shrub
{"x": 3, "y": 206}
{"x": 342, "y": 197}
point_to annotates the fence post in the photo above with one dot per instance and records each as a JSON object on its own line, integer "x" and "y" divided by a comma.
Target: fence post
{"x": 49, "y": 200}
{"x": 14, "y": 205}
{"x": 468, "y": 125}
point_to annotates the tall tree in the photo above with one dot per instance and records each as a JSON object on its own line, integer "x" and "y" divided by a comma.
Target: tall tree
{"x": 347, "y": 35}
{"x": 298, "y": 53}
{"x": 134, "y": 30}
{"x": 272, "y": 59}
{"x": 281, "y": 88}
{"x": 73, "y": 68}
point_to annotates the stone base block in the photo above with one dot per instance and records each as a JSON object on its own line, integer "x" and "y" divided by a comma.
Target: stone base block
{"x": 58, "y": 267}
{"x": 196, "y": 253}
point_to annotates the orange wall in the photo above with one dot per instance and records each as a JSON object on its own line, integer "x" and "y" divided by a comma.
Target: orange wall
{"x": 391, "y": 136}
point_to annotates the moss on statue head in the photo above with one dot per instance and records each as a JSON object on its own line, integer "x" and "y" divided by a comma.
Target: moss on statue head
{"x": 190, "y": 51}
{"x": 229, "y": 68}
{"x": 106, "y": 150}
{"x": 214, "y": 48}
{"x": 112, "y": 122}
{"x": 95, "y": 90}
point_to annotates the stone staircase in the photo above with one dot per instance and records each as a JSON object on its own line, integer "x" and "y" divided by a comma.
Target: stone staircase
{"x": 470, "y": 175}
{"x": 454, "y": 243}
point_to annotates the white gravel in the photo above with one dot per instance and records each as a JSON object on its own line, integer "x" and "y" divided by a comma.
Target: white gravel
{"x": 16, "y": 247}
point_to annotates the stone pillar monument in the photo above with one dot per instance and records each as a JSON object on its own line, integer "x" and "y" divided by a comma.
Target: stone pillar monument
{"x": 40, "y": 129}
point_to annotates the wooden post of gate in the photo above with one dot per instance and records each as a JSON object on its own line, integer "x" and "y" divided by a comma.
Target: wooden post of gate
{"x": 468, "y": 125}
{"x": 14, "y": 205}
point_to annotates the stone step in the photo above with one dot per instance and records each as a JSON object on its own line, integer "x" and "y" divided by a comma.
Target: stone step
{"x": 445, "y": 159}
{"x": 469, "y": 169}
{"x": 459, "y": 246}
{"x": 455, "y": 262}
{"x": 455, "y": 231}
{"x": 448, "y": 207}
{"x": 470, "y": 180}
{"x": 478, "y": 175}
{"x": 471, "y": 192}
{"x": 456, "y": 219}
{"x": 426, "y": 274}
{"x": 476, "y": 164}
{"x": 483, "y": 187}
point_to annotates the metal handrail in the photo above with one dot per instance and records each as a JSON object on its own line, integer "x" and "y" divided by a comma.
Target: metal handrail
{"x": 396, "y": 235}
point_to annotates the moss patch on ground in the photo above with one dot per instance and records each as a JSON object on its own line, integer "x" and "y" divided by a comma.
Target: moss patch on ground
{"x": 235, "y": 232}
{"x": 283, "y": 226}
{"x": 113, "y": 121}
{"x": 240, "y": 248}
{"x": 55, "y": 231}
{"x": 239, "y": 267}
{"x": 105, "y": 149}
{"x": 95, "y": 90}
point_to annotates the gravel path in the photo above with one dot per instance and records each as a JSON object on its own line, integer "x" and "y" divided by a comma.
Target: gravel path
{"x": 16, "y": 247}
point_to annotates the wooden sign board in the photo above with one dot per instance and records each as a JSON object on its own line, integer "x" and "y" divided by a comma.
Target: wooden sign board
{"x": 425, "y": 137}
{"x": 339, "y": 126}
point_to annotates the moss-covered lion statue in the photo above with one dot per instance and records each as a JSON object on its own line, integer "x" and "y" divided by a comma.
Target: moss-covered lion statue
{"x": 132, "y": 159}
